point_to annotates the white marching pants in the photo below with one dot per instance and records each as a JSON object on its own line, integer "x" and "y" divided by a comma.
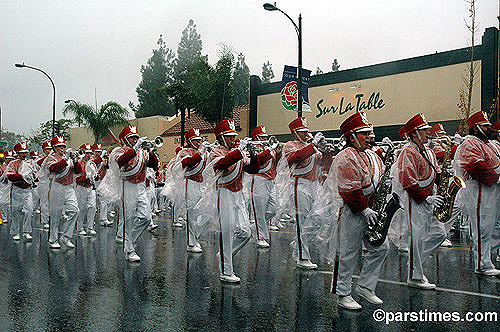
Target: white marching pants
{"x": 426, "y": 235}
{"x": 136, "y": 212}
{"x": 87, "y": 205}
{"x": 305, "y": 192}
{"x": 63, "y": 210}
{"x": 43, "y": 189}
{"x": 193, "y": 194}
{"x": 482, "y": 211}
{"x": 234, "y": 226}
{"x": 22, "y": 209}
{"x": 351, "y": 229}
{"x": 263, "y": 204}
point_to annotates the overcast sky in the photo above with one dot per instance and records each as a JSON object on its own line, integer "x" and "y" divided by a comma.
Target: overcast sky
{"x": 101, "y": 44}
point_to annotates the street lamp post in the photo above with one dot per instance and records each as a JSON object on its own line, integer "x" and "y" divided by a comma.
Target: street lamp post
{"x": 298, "y": 30}
{"x": 22, "y": 65}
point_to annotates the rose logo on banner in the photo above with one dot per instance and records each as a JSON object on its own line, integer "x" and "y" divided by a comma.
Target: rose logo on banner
{"x": 289, "y": 93}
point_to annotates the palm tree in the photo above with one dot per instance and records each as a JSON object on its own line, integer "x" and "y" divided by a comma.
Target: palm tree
{"x": 109, "y": 115}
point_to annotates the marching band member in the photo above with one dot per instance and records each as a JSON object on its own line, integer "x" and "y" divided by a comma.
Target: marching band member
{"x": 151, "y": 192}
{"x": 85, "y": 192}
{"x": 193, "y": 159}
{"x": 21, "y": 174}
{"x": 63, "y": 205}
{"x": 176, "y": 212}
{"x": 230, "y": 160}
{"x": 480, "y": 168}
{"x": 133, "y": 160}
{"x": 5, "y": 187}
{"x": 263, "y": 191}
{"x": 305, "y": 161}
{"x": 358, "y": 170}
{"x": 34, "y": 156}
{"x": 43, "y": 185}
{"x": 417, "y": 172}
{"x": 102, "y": 168}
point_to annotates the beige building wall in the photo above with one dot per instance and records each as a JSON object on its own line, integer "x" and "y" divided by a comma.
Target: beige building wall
{"x": 434, "y": 92}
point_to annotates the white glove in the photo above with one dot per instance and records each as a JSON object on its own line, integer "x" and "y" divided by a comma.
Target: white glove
{"x": 388, "y": 182}
{"x": 244, "y": 143}
{"x": 204, "y": 146}
{"x": 69, "y": 153}
{"x": 318, "y": 138}
{"x": 28, "y": 177}
{"x": 457, "y": 139}
{"x": 139, "y": 143}
{"x": 386, "y": 140}
{"x": 370, "y": 216}
{"x": 436, "y": 200}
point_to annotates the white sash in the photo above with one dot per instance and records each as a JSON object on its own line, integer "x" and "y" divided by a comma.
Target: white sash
{"x": 225, "y": 179}
{"x": 136, "y": 169}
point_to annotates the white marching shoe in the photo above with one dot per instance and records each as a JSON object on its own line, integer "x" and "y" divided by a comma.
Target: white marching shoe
{"x": 273, "y": 228}
{"x": 27, "y": 237}
{"x": 46, "y": 226}
{"x": 67, "y": 242}
{"x": 152, "y": 227}
{"x": 446, "y": 243}
{"x": 82, "y": 233}
{"x": 422, "y": 284}
{"x": 489, "y": 272}
{"x": 369, "y": 295}
{"x": 347, "y": 302}
{"x": 118, "y": 239}
{"x": 54, "y": 245}
{"x": 91, "y": 232}
{"x": 232, "y": 278}
{"x": 16, "y": 237}
{"x": 195, "y": 249}
{"x": 177, "y": 224}
{"x": 132, "y": 257}
{"x": 306, "y": 264}
{"x": 262, "y": 244}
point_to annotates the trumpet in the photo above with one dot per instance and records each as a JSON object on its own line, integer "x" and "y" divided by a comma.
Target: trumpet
{"x": 272, "y": 142}
{"x": 156, "y": 143}
{"x": 332, "y": 145}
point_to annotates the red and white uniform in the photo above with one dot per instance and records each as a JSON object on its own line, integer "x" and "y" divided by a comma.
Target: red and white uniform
{"x": 62, "y": 196}
{"x": 193, "y": 163}
{"x": 135, "y": 207}
{"x": 232, "y": 208}
{"x": 21, "y": 195}
{"x": 86, "y": 195}
{"x": 358, "y": 174}
{"x": 305, "y": 162}
{"x": 478, "y": 164}
{"x": 417, "y": 175}
{"x": 263, "y": 193}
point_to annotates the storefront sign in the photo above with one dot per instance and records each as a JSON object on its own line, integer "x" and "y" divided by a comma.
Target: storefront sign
{"x": 360, "y": 103}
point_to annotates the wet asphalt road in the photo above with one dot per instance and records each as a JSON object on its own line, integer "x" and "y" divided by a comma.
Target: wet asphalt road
{"x": 92, "y": 288}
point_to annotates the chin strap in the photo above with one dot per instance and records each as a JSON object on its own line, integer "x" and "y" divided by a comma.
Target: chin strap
{"x": 357, "y": 142}
{"x": 481, "y": 131}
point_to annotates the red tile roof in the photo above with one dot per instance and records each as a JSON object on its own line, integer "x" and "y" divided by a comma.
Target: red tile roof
{"x": 195, "y": 121}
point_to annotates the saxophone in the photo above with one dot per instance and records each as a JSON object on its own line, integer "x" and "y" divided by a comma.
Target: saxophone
{"x": 446, "y": 188}
{"x": 376, "y": 234}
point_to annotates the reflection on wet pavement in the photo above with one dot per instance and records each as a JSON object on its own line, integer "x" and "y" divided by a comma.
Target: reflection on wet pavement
{"x": 92, "y": 288}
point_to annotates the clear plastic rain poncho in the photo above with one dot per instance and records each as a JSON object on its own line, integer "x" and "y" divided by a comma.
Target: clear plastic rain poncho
{"x": 4, "y": 190}
{"x": 174, "y": 188}
{"x": 346, "y": 175}
{"x": 471, "y": 153}
{"x": 110, "y": 188}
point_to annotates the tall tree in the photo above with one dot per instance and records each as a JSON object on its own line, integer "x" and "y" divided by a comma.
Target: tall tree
{"x": 11, "y": 139}
{"x": 267, "y": 72}
{"x": 335, "y": 65}
{"x": 99, "y": 121}
{"x": 213, "y": 88}
{"x": 155, "y": 74}
{"x": 241, "y": 81}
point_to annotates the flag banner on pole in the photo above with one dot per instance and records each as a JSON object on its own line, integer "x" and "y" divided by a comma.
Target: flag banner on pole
{"x": 289, "y": 89}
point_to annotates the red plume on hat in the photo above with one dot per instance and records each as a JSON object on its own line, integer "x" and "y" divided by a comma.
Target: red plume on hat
{"x": 354, "y": 123}
{"x": 86, "y": 147}
{"x": 21, "y": 147}
{"x": 58, "y": 140}
{"x": 418, "y": 121}
{"x": 258, "y": 131}
{"x": 128, "y": 131}
{"x": 192, "y": 133}
{"x": 478, "y": 118}
{"x": 226, "y": 127}
{"x": 298, "y": 124}
{"x": 437, "y": 130}
{"x": 46, "y": 145}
